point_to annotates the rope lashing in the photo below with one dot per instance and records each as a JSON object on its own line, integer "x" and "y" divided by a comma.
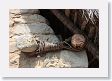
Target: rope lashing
{"x": 74, "y": 43}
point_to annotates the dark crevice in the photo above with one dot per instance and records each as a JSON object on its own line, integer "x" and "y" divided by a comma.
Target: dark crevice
{"x": 55, "y": 24}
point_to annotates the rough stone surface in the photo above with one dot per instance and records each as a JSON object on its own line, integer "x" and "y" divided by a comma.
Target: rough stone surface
{"x": 40, "y": 28}
{"x": 24, "y": 11}
{"x": 26, "y": 43}
{"x": 55, "y": 62}
{"x": 58, "y": 59}
{"x": 28, "y": 19}
{"x": 11, "y": 23}
{"x": 13, "y": 47}
{"x": 75, "y": 59}
{"x": 14, "y": 59}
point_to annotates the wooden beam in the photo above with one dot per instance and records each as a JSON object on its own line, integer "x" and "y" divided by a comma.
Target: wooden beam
{"x": 74, "y": 29}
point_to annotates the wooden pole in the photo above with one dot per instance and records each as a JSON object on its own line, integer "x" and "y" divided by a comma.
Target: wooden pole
{"x": 66, "y": 21}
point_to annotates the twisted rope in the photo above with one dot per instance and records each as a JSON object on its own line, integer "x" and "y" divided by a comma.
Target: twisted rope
{"x": 45, "y": 47}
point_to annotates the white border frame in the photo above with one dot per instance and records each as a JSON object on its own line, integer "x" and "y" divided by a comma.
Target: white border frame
{"x": 102, "y": 71}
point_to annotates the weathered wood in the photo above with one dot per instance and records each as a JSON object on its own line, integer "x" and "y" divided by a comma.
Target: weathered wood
{"x": 65, "y": 21}
{"x": 91, "y": 17}
{"x": 74, "y": 29}
{"x": 88, "y": 21}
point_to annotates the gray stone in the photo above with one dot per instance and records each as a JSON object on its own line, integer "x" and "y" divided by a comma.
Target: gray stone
{"x": 66, "y": 59}
{"x": 41, "y": 28}
{"x": 75, "y": 59}
{"x": 49, "y": 38}
{"x": 26, "y": 43}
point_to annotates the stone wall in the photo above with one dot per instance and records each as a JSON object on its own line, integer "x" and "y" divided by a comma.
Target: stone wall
{"x": 28, "y": 21}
